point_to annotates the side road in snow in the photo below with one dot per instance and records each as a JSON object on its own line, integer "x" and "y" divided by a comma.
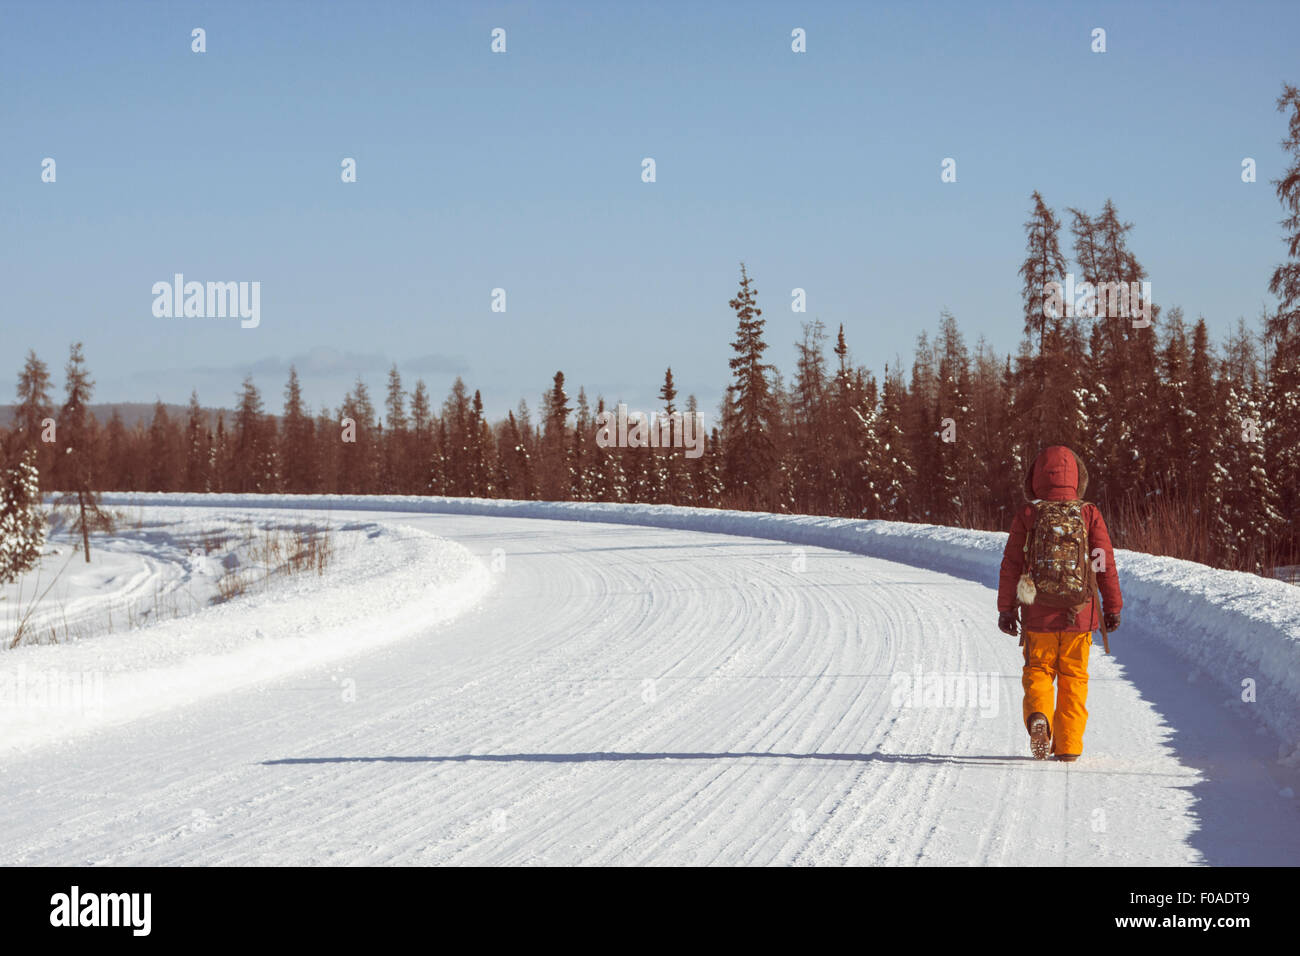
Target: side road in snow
{"x": 1238, "y": 630}
{"x": 386, "y": 582}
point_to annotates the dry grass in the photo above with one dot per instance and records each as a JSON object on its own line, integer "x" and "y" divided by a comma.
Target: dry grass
{"x": 276, "y": 552}
{"x": 214, "y": 541}
{"x": 279, "y": 552}
{"x": 1175, "y": 528}
{"x": 121, "y": 518}
{"x": 166, "y": 605}
{"x": 232, "y": 584}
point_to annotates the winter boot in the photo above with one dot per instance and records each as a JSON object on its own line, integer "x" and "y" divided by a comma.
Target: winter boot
{"x": 1040, "y": 736}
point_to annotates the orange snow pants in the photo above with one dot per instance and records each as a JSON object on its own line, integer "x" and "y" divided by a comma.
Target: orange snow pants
{"x": 1063, "y": 656}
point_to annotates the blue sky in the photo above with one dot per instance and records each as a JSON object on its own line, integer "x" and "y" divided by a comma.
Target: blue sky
{"x": 523, "y": 171}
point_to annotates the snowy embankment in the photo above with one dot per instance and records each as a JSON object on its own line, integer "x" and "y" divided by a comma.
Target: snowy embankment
{"x": 383, "y": 582}
{"x": 1232, "y": 626}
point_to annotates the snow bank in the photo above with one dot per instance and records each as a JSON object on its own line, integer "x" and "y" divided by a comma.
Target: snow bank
{"x": 395, "y": 582}
{"x": 1230, "y": 625}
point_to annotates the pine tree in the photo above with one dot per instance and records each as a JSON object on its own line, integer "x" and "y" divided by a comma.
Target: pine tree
{"x": 120, "y": 463}
{"x": 853, "y": 462}
{"x": 1123, "y": 407}
{"x": 358, "y": 467}
{"x": 1246, "y": 519}
{"x": 857, "y": 463}
{"x": 219, "y": 468}
{"x": 993, "y": 440}
{"x": 852, "y": 428}
{"x": 421, "y": 448}
{"x": 1282, "y": 399}
{"x": 667, "y": 462}
{"x": 748, "y": 429}
{"x": 248, "y": 450}
{"x": 693, "y": 470}
{"x": 611, "y": 481}
{"x": 396, "y": 435}
{"x": 1176, "y": 436}
{"x": 954, "y": 476}
{"x": 164, "y": 451}
{"x": 556, "y": 476}
{"x": 1204, "y": 448}
{"x": 783, "y": 485}
{"x": 33, "y": 411}
{"x": 1043, "y": 264}
{"x": 516, "y": 464}
{"x": 76, "y": 431}
{"x": 440, "y": 481}
{"x": 868, "y": 473}
{"x": 197, "y": 447}
{"x": 898, "y": 475}
{"x": 298, "y": 443}
{"x": 455, "y": 441}
{"x": 325, "y": 444}
{"x": 480, "y": 446}
{"x": 22, "y": 522}
{"x": 920, "y": 403}
{"x": 583, "y": 449}
{"x": 810, "y": 425}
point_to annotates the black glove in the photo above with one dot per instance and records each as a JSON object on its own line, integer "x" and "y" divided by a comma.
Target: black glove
{"x": 1112, "y": 621}
{"x": 1007, "y": 622}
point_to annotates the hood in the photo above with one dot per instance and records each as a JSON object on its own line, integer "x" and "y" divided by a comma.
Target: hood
{"x": 1057, "y": 474}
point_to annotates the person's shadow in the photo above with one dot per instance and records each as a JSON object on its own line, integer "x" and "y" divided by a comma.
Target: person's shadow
{"x": 611, "y": 756}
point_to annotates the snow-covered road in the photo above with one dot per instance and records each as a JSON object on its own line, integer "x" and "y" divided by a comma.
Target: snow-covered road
{"x": 631, "y": 695}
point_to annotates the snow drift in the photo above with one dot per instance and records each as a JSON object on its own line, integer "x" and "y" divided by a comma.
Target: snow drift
{"x": 1231, "y": 625}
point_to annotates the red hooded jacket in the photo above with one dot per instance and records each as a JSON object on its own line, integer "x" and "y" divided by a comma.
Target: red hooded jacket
{"x": 1058, "y": 474}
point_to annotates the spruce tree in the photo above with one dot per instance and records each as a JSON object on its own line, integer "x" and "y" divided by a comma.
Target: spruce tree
{"x": 298, "y": 440}
{"x": 22, "y": 522}
{"x": 1176, "y": 437}
{"x": 76, "y": 432}
{"x": 1249, "y": 523}
{"x": 479, "y": 446}
{"x": 1282, "y": 398}
{"x": 421, "y": 447}
{"x": 751, "y": 456}
{"x": 1043, "y": 264}
{"x": 920, "y": 403}
{"x": 809, "y": 421}
{"x": 248, "y": 451}
{"x": 898, "y": 474}
{"x": 1204, "y": 449}
{"x": 220, "y": 468}
{"x": 34, "y": 409}
{"x": 197, "y": 450}
{"x": 119, "y": 460}
{"x": 583, "y": 445}
{"x": 325, "y": 446}
{"x": 455, "y": 449}
{"x": 396, "y": 436}
{"x": 667, "y": 462}
{"x": 556, "y": 476}
{"x": 955, "y": 464}
{"x": 855, "y": 464}
{"x": 163, "y": 460}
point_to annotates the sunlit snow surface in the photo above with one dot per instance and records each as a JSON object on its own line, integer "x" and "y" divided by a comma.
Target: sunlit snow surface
{"x": 492, "y": 684}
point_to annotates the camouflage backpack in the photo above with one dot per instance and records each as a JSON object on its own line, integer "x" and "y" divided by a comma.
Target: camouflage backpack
{"x": 1057, "y": 570}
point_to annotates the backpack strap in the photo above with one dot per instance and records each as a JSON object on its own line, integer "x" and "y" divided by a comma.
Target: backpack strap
{"x": 1029, "y": 530}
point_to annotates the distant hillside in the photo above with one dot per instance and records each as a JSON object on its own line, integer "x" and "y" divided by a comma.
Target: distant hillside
{"x": 131, "y": 412}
